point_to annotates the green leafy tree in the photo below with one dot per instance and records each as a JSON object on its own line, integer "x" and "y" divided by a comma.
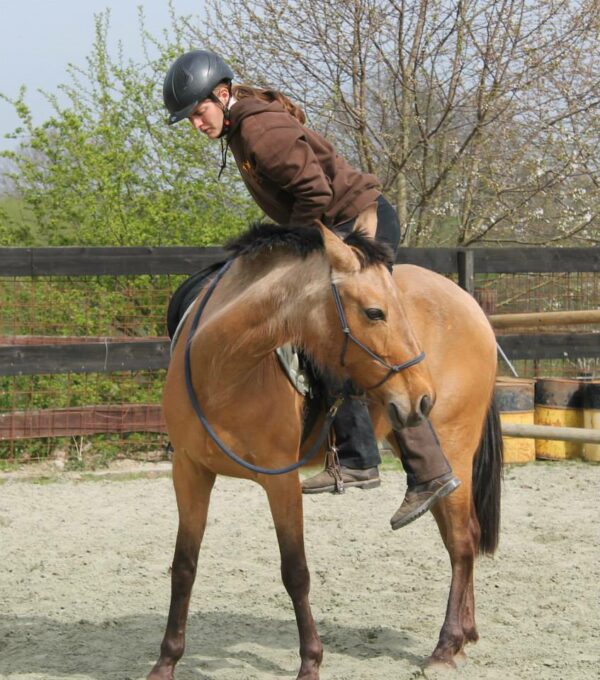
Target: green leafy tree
{"x": 105, "y": 169}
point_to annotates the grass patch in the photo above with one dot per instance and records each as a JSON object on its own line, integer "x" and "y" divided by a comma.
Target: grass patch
{"x": 42, "y": 481}
{"x": 389, "y": 463}
{"x": 123, "y": 476}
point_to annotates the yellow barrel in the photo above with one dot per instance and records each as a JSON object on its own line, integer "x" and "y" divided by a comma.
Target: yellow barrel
{"x": 515, "y": 401}
{"x": 559, "y": 403}
{"x": 591, "y": 417}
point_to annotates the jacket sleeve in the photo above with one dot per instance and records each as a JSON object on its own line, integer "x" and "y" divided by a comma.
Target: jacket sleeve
{"x": 284, "y": 156}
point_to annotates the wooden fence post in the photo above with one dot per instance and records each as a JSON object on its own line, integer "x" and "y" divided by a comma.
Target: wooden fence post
{"x": 466, "y": 269}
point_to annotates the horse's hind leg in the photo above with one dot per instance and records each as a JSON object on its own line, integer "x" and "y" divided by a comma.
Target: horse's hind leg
{"x": 193, "y": 484}
{"x": 468, "y": 617}
{"x": 460, "y": 533}
{"x": 285, "y": 501}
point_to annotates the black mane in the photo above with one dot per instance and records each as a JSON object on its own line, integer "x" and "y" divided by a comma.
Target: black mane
{"x": 265, "y": 236}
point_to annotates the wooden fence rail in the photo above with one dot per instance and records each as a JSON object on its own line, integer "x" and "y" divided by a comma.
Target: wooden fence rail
{"x": 541, "y": 319}
{"x": 150, "y": 355}
{"x": 565, "y": 434}
{"x": 187, "y": 260}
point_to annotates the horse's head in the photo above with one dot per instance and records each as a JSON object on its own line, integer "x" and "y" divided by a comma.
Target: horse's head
{"x": 314, "y": 304}
{"x": 371, "y": 336}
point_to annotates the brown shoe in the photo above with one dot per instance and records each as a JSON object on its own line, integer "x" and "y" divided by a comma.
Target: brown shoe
{"x": 420, "y": 498}
{"x": 327, "y": 480}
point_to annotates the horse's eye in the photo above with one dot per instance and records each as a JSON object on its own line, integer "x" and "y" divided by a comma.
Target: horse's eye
{"x": 375, "y": 314}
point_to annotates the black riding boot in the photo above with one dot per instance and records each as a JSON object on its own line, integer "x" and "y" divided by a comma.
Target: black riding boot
{"x": 429, "y": 475}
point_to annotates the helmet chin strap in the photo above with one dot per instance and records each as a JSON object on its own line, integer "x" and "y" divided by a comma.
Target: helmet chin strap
{"x": 225, "y": 129}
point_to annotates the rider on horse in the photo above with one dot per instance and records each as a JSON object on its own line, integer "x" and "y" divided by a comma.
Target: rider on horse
{"x": 296, "y": 178}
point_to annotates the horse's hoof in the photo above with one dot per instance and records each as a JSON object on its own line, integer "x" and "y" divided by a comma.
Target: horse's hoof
{"x": 161, "y": 673}
{"x": 440, "y": 665}
{"x": 460, "y": 659}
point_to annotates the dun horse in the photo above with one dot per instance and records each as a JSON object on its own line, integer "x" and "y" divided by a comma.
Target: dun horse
{"x": 279, "y": 290}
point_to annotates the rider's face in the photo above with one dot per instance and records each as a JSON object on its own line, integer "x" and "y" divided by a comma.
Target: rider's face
{"x": 208, "y": 117}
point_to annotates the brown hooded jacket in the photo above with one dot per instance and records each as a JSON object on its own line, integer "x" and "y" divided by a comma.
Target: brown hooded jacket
{"x": 292, "y": 172}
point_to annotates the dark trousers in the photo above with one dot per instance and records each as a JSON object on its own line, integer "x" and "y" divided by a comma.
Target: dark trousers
{"x": 354, "y": 435}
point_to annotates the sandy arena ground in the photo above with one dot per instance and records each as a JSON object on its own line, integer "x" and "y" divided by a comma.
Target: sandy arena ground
{"x": 84, "y": 582}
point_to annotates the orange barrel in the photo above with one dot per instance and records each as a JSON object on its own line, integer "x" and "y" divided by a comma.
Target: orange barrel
{"x": 559, "y": 403}
{"x": 514, "y": 398}
{"x": 591, "y": 417}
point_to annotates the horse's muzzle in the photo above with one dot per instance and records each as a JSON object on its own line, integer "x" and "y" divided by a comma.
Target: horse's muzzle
{"x": 404, "y": 414}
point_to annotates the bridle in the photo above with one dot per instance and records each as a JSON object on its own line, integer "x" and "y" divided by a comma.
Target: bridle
{"x": 348, "y": 335}
{"x": 333, "y": 407}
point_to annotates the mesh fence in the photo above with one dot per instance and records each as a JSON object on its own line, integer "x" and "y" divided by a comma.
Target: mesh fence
{"x": 82, "y": 419}
{"x": 557, "y": 292}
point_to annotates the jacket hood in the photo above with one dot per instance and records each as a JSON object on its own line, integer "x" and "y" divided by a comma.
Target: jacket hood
{"x": 250, "y": 106}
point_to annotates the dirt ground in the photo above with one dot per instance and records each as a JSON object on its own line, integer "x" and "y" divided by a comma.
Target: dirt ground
{"x": 84, "y": 583}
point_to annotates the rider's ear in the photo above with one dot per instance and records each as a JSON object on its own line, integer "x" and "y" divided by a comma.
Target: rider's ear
{"x": 341, "y": 257}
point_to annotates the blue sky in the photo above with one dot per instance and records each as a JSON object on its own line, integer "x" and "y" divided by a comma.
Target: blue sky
{"x": 38, "y": 38}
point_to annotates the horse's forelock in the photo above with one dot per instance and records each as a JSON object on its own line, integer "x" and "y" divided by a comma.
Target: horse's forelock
{"x": 371, "y": 252}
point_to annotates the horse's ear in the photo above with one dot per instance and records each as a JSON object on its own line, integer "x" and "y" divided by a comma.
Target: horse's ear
{"x": 341, "y": 257}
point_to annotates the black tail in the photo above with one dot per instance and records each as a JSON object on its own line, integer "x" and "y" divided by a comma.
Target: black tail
{"x": 487, "y": 479}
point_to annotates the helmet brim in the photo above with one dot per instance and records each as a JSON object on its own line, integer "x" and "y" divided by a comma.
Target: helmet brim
{"x": 181, "y": 114}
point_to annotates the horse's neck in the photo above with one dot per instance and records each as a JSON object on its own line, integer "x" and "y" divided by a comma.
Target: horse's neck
{"x": 255, "y": 309}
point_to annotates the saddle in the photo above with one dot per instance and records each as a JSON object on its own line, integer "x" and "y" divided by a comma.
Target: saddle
{"x": 300, "y": 372}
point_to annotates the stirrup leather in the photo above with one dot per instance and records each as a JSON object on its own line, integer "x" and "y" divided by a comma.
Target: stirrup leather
{"x": 332, "y": 463}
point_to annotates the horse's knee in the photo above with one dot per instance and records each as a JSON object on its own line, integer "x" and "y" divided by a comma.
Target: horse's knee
{"x": 183, "y": 572}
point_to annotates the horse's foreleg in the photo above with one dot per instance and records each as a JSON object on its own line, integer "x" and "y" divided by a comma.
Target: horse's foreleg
{"x": 285, "y": 500}
{"x": 193, "y": 484}
{"x": 453, "y": 516}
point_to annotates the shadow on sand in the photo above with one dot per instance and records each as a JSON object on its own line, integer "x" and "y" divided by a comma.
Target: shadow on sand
{"x": 125, "y": 648}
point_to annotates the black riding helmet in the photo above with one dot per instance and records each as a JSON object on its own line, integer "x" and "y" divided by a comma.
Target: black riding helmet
{"x": 192, "y": 77}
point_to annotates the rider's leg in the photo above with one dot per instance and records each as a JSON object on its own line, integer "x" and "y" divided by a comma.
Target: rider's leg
{"x": 355, "y": 440}
{"x": 357, "y": 452}
{"x": 428, "y": 474}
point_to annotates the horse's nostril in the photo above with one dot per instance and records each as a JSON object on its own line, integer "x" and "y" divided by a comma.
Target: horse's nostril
{"x": 425, "y": 405}
{"x": 398, "y": 420}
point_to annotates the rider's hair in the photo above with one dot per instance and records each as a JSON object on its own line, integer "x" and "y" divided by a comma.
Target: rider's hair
{"x": 241, "y": 91}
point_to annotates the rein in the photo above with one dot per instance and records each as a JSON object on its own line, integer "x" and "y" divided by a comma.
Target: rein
{"x": 331, "y": 413}
{"x": 314, "y": 449}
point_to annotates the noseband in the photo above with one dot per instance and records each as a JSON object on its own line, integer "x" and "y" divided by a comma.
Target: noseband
{"x": 348, "y": 335}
